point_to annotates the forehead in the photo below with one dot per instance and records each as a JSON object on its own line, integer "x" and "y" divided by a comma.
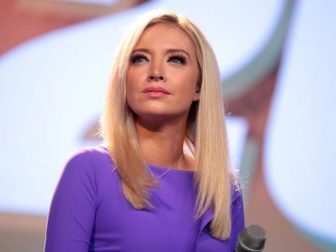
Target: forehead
{"x": 166, "y": 35}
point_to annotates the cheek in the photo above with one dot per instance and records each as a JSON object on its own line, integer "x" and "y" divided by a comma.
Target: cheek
{"x": 135, "y": 78}
{"x": 129, "y": 80}
{"x": 132, "y": 80}
{"x": 188, "y": 83}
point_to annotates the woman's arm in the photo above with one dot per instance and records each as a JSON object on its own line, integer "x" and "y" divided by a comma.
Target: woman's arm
{"x": 72, "y": 212}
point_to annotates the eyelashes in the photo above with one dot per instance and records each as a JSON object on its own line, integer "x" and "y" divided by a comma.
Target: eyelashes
{"x": 178, "y": 59}
{"x": 175, "y": 59}
{"x": 138, "y": 58}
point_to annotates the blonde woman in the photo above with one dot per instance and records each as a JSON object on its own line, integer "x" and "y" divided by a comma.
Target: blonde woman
{"x": 162, "y": 181}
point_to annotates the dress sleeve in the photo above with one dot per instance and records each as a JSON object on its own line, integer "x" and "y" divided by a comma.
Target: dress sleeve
{"x": 72, "y": 212}
{"x": 206, "y": 242}
{"x": 237, "y": 216}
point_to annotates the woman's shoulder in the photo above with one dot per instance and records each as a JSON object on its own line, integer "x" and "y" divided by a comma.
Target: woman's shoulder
{"x": 91, "y": 154}
{"x": 89, "y": 158}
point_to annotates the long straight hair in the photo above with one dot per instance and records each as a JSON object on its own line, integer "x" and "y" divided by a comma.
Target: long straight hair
{"x": 206, "y": 128}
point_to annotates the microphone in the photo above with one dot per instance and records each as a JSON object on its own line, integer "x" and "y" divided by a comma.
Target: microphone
{"x": 251, "y": 239}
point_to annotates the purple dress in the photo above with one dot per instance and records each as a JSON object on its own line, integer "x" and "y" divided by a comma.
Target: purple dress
{"x": 90, "y": 213}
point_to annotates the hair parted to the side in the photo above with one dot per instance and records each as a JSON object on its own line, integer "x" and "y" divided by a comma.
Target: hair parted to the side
{"x": 206, "y": 127}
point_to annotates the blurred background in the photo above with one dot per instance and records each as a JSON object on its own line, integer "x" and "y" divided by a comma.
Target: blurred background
{"x": 277, "y": 62}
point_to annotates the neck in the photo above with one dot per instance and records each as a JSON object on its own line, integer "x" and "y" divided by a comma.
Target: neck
{"x": 163, "y": 145}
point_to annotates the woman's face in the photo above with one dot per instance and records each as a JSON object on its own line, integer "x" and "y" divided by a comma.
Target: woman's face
{"x": 163, "y": 74}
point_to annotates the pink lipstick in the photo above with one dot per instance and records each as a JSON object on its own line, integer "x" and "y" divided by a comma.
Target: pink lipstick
{"x": 155, "y": 91}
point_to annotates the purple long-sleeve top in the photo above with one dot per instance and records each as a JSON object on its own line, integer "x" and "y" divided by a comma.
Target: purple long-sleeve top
{"x": 89, "y": 212}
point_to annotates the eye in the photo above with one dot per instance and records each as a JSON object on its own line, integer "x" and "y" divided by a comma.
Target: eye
{"x": 138, "y": 58}
{"x": 178, "y": 59}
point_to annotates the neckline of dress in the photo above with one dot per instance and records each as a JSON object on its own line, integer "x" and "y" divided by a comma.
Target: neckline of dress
{"x": 163, "y": 168}
{"x": 157, "y": 167}
{"x": 159, "y": 172}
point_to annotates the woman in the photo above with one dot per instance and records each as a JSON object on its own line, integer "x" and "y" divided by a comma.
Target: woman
{"x": 162, "y": 182}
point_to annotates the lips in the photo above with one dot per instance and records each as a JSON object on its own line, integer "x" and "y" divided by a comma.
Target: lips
{"x": 156, "y": 90}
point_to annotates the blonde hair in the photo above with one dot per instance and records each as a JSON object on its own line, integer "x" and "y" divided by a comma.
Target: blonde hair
{"x": 206, "y": 128}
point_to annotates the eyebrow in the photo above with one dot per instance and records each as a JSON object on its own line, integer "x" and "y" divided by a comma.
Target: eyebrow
{"x": 172, "y": 50}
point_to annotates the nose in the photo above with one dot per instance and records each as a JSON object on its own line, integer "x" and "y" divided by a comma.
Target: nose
{"x": 156, "y": 77}
{"x": 156, "y": 71}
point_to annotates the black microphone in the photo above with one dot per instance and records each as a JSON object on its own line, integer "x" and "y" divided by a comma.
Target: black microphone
{"x": 251, "y": 239}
